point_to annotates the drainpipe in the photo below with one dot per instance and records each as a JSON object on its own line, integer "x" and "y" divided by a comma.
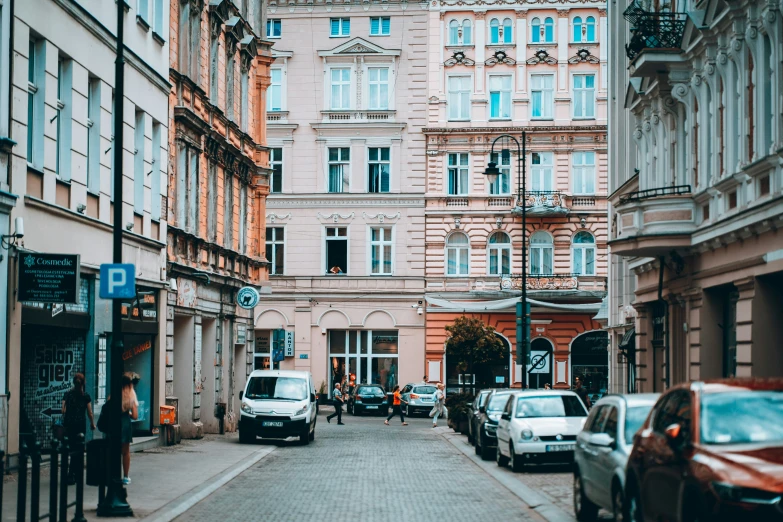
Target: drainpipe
{"x": 666, "y": 329}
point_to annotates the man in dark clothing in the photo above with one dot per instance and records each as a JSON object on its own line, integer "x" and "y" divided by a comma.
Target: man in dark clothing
{"x": 337, "y": 395}
{"x": 582, "y": 393}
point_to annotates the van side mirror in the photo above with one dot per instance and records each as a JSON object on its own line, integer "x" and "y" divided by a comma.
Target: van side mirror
{"x": 241, "y": 394}
{"x": 505, "y": 416}
{"x": 312, "y": 397}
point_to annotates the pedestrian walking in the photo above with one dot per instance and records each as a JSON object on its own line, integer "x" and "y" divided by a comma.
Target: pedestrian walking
{"x": 440, "y": 405}
{"x": 337, "y": 399}
{"x": 76, "y": 408}
{"x": 582, "y": 393}
{"x": 397, "y": 407}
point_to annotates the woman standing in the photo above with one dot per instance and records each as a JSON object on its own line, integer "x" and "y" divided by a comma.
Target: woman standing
{"x": 396, "y": 407}
{"x": 440, "y": 405}
{"x": 76, "y": 404}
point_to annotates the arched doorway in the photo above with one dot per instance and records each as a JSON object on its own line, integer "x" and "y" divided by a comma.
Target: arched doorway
{"x": 540, "y": 369}
{"x": 496, "y": 374}
{"x": 590, "y": 360}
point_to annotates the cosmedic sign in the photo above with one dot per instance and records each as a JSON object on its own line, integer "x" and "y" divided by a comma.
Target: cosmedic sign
{"x": 48, "y": 278}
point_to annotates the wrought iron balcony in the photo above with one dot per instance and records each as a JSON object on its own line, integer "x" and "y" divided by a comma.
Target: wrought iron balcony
{"x": 545, "y": 202}
{"x": 540, "y": 282}
{"x": 653, "y": 30}
{"x": 675, "y": 190}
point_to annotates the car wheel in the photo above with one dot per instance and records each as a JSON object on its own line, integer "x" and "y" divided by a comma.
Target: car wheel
{"x": 633, "y": 505}
{"x": 584, "y": 510}
{"x": 618, "y": 503}
{"x": 471, "y": 439}
{"x": 312, "y": 435}
{"x": 477, "y": 445}
{"x": 246, "y": 437}
{"x": 499, "y": 458}
{"x": 515, "y": 461}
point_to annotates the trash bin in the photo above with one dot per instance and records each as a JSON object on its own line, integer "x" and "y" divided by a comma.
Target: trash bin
{"x": 96, "y": 462}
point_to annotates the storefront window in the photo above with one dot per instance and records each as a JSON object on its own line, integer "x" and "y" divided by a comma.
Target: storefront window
{"x": 364, "y": 357}
{"x": 262, "y": 357}
{"x": 137, "y": 359}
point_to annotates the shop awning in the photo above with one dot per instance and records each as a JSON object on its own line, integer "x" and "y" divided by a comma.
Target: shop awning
{"x": 628, "y": 340}
{"x": 502, "y": 304}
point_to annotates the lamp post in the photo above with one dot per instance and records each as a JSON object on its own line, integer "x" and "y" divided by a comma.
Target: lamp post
{"x": 522, "y": 308}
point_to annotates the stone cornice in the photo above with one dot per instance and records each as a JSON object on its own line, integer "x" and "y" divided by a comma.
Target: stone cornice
{"x": 317, "y": 200}
{"x": 553, "y": 129}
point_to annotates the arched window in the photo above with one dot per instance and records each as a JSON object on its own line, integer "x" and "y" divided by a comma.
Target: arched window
{"x": 453, "y": 32}
{"x": 549, "y": 30}
{"x": 457, "y": 254}
{"x": 590, "y": 29}
{"x": 583, "y": 253}
{"x": 541, "y": 253}
{"x": 535, "y": 30}
{"x": 467, "y": 34}
{"x": 494, "y": 31}
{"x": 499, "y": 254}
{"x": 508, "y": 32}
{"x": 578, "y": 29}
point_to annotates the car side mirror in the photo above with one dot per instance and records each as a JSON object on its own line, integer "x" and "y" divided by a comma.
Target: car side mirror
{"x": 604, "y": 440}
{"x": 312, "y": 397}
{"x": 241, "y": 394}
{"x": 482, "y": 409}
{"x": 505, "y": 416}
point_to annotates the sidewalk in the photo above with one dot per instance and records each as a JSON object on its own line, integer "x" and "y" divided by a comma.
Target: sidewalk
{"x": 166, "y": 480}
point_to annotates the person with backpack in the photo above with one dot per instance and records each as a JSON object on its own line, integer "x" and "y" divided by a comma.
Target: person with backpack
{"x": 76, "y": 405}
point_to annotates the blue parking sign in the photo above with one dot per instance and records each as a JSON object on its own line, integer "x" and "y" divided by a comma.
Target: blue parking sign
{"x": 118, "y": 281}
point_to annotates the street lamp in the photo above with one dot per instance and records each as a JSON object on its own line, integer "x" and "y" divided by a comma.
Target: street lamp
{"x": 522, "y": 308}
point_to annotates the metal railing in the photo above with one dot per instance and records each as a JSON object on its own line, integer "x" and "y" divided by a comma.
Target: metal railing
{"x": 673, "y": 190}
{"x": 653, "y": 30}
{"x": 540, "y": 281}
{"x": 544, "y": 198}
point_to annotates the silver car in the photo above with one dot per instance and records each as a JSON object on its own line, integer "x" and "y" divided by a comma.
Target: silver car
{"x": 602, "y": 450}
{"x": 419, "y": 396}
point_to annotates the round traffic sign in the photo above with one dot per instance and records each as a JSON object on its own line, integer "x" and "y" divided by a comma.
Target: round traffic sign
{"x": 248, "y": 297}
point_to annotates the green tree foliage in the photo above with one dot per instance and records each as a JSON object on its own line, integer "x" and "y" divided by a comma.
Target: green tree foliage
{"x": 473, "y": 345}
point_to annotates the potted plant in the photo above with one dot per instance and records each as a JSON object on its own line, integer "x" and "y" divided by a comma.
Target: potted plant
{"x": 323, "y": 397}
{"x": 457, "y": 405}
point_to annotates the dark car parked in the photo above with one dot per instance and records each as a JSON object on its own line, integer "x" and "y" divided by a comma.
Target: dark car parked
{"x": 475, "y": 416}
{"x": 710, "y": 451}
{"x": 485, "y": 438}
{"x": 370, "y": 398}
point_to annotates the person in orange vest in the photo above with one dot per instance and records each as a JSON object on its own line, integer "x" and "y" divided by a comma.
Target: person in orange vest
{"x": 396, "y": 407}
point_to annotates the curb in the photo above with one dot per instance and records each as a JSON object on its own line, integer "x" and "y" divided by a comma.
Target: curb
{"x": 190, "y": 498}
{"x": 538, "y": 502}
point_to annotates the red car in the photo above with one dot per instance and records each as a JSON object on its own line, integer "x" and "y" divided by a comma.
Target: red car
{"x": 710, "y": 451}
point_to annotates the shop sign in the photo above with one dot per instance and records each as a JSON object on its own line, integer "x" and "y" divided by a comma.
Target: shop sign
{"x": 49, "y": 278}
{"x": 54, "y": 365}
{"x": 289, "y": 343}
{"x": 248, "y": 297}
{"x": 143, "y": 308}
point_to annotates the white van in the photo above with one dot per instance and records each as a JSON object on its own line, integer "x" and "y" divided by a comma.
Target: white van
{"x": 277, "y": 404}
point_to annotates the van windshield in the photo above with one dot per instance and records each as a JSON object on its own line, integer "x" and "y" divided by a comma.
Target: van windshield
{"x": 277, "y": 388}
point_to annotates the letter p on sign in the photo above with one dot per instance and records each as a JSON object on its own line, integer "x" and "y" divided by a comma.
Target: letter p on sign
{"x": 118, "y": 281}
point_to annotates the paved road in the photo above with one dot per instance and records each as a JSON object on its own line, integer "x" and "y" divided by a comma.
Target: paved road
{"x": 366, "y": 471}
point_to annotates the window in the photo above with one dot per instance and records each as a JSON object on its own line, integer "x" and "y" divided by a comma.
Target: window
{"x": 454, "y": 33}
{"x": 380, "y": 26}
{"x": 541, "y": 172}
{"x": 340, "y": 27}
{"x": 381, "y": 251}
{"x": 499, "y": 254}
{"x": 542, "y": 33}
{"x": 341, "y": 89}
{"x": 583, "y": 253}
{"x": 584, "y": 172}
{"x": 732, "y": 202}
{"x": 157, "y": 17}
{"x": 338, "y": 169}
{"x": 214, "y": 65}
{"x": 549, "y": 30}
{"x": 542, "y": 253}
{"x": 460, "y": 34}
{"x": 276, "y": 164}
{"x": 378, "y": 79}
{"x": 35, "y": 103}
{"x": 275, "y": 250}
{"x": 500, "y": 97}
{"x": 189, "y": 40}
{"x": 508, "y": 32}
{"x": 230, "y": 72}
{"x": 228, "y": 211}
{"x": 535, "y": 30}
{"x": 143, "y": 10}
{"x": 494, "y": 31}
{"x": 458, "y": 173}
{"x": 467, "y": 35}
{"x": 274, "y": 94}
{"x": 139, "y": 144}
{"x": 274, "y": 28}
{"x": 64, "y": 118}
{"x": 336, "y": 250}
{"x": 584, "y": 96}
{"x": 584, "y": 31}
{"x": 503, "y": 183}
{"x": 244, "y": 99}
{"x": 500, "y": 32}
{"x": 457, "y": 254}
{"x": 212, "y": 201}
{"x": 459, "y": 97}
{"x": 542, "y": 95}
{"x": 578, "y": 29}
{"x": 378, "y": 169}
{"x": 590, "y": 29}
{"x": 94, "y": 135}
{"x": 187, "y": 188}
{"x": 243, "y": 218}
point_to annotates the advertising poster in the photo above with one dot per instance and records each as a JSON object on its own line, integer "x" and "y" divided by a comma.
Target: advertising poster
{"x": 137, "y": 358}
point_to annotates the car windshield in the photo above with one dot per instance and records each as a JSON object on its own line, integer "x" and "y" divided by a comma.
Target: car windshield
{"x": 498, "y": 402}
{"x": 483, "y": 399}
{"x": 426, "y": 390}
{"x": 742, "y": 418}
{"x": 370, "y": 391}
{"x": 634, "y": 418}
{"x": 550, "y": 406}
{"x": 277, "y": 388}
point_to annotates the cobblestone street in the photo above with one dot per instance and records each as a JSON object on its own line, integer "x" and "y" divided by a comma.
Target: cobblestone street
{"x": 367, "y": 471}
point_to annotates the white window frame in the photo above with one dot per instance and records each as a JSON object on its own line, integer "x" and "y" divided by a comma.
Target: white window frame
{"x": 497, "y": 250}
{"x": 505, "y": 171}
{"x": 270, "y": 24}
{"x": 382, "y": 104}
{"x": 459, "y": 167}
{"x": 158, "y": 18}
{"x": 64, "y": 121}
{"x": 379, "y": 161}
{"x": 343, "y": 85}
{"x": 461, "y": 26}
{"x": 508, "y": 31}
{"x": 94, "y": 135}
{"x": 583, "y": 173}
{"x": 143, "y": 10}
{"x": 346, "y": 173}
{"x": 447, "y": 251}
{"x": 36, "y": 94}
{"x": 504, "y": 98}
{"x": 538, "y": 172}
{"x": 380, "y": 25}
{"x": 587, "y": 25}
{"x": 547, "y": 97}
{"x": 276, "y": 85}
{"x": 587, "y": 94}
{"x": 272, "y": 164}
{"x": 580, "y": 250}
{"x": 341, "y": 33}
{"x": 538, "y": 250}
{"x": 275, "y": 244}
{"x": 574, "y": 32}
{"x": 554, "y": 30}
{"x": 139, "y": 167}
{"x": 382, "y": 244}
{"x": 491, "y": 36}
{"x": 347, "y": 247}
{"x": 451, "y": 102}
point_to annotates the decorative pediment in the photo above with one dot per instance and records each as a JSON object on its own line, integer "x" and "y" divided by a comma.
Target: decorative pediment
{"x": 583, "y": 56}
{"x": 541, "y": 56}
{"x": 459, "y": 58}
{"x": 235, "y": 29}
{"x": 500, "y": 56}
{"x": 359, "y": 46}
{"x": 248, "y": 51}
{"x": 219, "y": 9}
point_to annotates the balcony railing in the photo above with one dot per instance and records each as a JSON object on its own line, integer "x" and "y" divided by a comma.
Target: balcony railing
{"x": 653, "y": 30}
{"x": 358, "y": 116}
{"x": 543, "y": 202}
{"x": 675, "y": 190}
{"x": 540, "y": 282}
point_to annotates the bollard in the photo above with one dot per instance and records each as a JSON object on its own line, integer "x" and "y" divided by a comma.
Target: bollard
{"x": 35, "y": 481}
{"x": 53, "y": 481}
{"x": 63, "y": 517}
{"x": 79, "y": 456}
{"x": 21, "y": 492}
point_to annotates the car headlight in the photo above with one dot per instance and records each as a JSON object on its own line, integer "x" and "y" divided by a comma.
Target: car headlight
{"x": 527, "y": 435}
{"x": 491, "y": 428}
{"x": 301, "y": 412}
{"x": 738, "y": 494}
{"x": 247, "y": 408}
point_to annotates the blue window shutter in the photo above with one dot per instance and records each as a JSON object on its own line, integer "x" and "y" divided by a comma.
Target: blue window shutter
{"x": 335, "y": 26}
{"x": 386, "y": 26}
{"x": 346, "y": 26}
{"x": 374, "y": 22}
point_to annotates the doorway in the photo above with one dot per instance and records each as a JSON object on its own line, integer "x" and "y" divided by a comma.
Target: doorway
{"x": 540, "y": 369}
{"x": 590, "y": 361}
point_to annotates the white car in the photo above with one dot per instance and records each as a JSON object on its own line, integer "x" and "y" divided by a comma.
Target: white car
{"x": 539, "y": 427}
{"x": 278, "y": 404}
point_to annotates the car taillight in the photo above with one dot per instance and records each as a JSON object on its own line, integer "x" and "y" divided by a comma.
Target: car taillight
{"x": 359, "y": 398}
{"x": 414, "y": 396}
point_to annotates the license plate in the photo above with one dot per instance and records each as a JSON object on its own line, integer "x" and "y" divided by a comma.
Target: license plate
{"x": 272, "y": 424}
{"x": 372, "y": 407}
{"x": 562, "y": 447}
{"x": 426, "y": 400}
